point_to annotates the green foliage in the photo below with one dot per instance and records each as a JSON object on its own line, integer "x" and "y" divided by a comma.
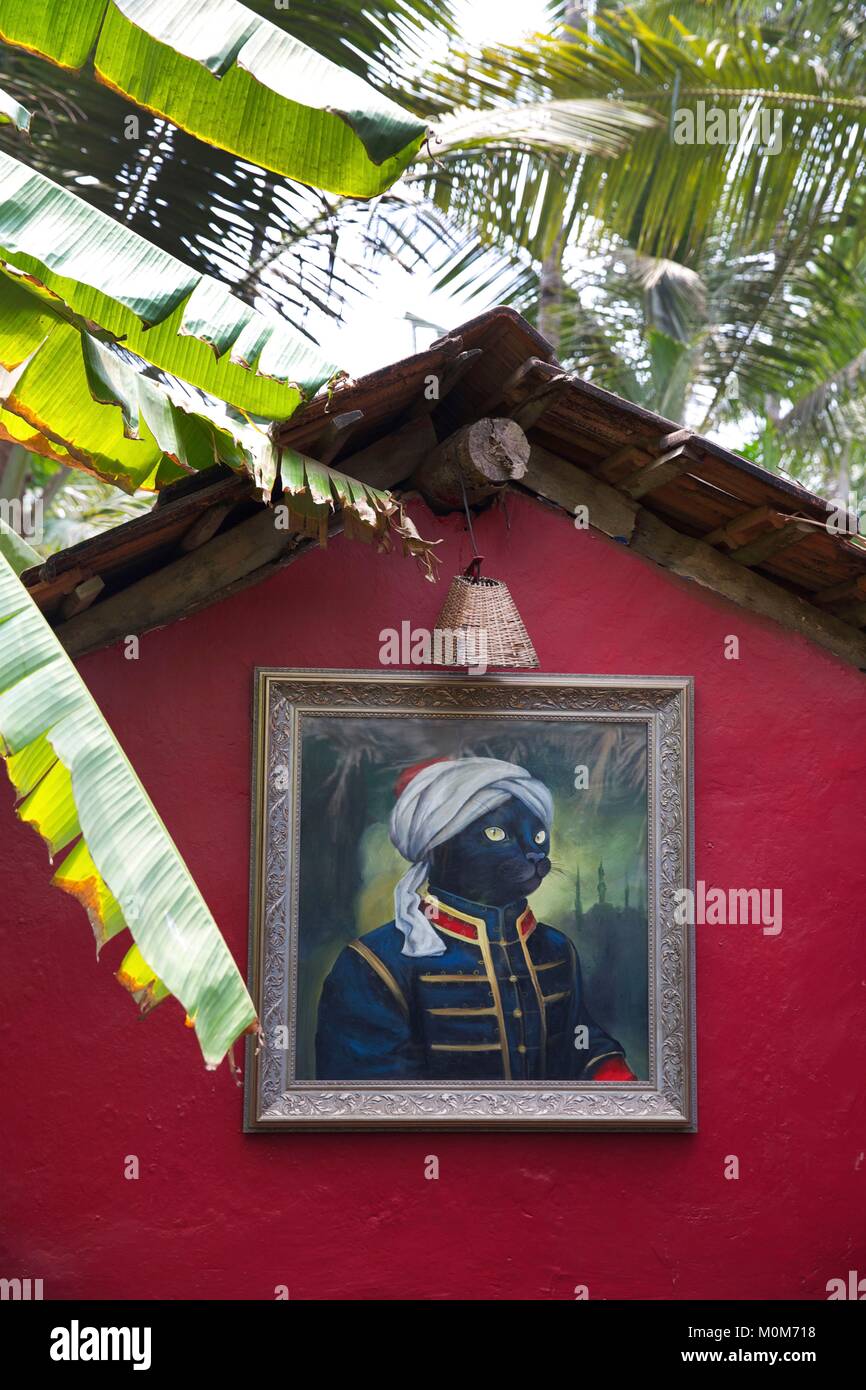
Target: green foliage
{"x": 746, "y": 254}
{"x": 76, "y": 787}
{"x": 119, "y": 359}
{"x": 232, "y": 78}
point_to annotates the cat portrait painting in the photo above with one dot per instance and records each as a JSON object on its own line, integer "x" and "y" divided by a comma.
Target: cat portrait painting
{"x": 463, "y": 899}
{"x": 465, "y": 982}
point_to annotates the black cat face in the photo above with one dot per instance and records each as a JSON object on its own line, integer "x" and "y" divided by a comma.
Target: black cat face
{"x": 501, "y": 857}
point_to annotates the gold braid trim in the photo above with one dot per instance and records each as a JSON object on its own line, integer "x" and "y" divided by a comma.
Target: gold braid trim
{"x": 382, "y": 971}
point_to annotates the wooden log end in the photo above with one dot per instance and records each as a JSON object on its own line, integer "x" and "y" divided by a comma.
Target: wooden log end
{"x": 475, "y": 462}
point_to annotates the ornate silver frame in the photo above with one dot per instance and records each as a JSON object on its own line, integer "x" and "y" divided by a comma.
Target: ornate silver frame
{"x": 277, "y": 1101}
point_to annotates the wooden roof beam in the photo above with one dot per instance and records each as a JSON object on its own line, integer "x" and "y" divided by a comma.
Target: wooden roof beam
{"x": 517, "y": 388}
{"x": 169, "y": 593}
{"x": 853, "y": 613}
{"x": 837, "y": 593}
{"x": 757, "y": 535}
{"x": 661, "y": 470}
{"x": 733, "y": 531}
{"x": 628, "y": 454}
{"x": 783, "y": 532}
{"x": 454, "y": 371}
{"x": 472, "y": 464}
{"x": 82, "y": 597}
{"x": 392, "y": 460}
{"x": 675, "y": 438}
{"x": 62, "y": 584}
{"x": 846, "y": 600}
{"x": 560, "y": 481}
{"x": 532, "y": 409}
{"x": 206, "y": 527}
{"x": 646, "y": 534}
{"x": 337, "y": 429}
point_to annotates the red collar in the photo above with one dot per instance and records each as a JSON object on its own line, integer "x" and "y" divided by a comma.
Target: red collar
{"x": 446, "y": 919}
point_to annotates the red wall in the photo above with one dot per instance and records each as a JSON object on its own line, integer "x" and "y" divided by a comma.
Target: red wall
{"x": 780, "y": 802}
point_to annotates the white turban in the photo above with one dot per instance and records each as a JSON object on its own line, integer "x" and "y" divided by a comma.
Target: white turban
{"x": 437, "y": 804}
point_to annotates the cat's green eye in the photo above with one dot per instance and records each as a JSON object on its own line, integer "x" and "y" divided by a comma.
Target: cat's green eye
{"x": 494, "y": 832}
{"x": 540, "y": 837}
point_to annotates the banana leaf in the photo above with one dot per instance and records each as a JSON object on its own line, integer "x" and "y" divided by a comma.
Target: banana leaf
{"x": 233, "y": 79}
{"x": 57, "y": 382}
{"x": 311, "y": 492}
{"x": 92, "y": 405}
{"x": 19, "y": 555}
{"x": 108, "y": 280}
{"x": 13, "y": 113}
{"x": 76, "y": 787}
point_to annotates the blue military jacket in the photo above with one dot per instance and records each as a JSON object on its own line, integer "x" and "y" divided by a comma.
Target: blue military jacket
{"x": 503, "y": 1002}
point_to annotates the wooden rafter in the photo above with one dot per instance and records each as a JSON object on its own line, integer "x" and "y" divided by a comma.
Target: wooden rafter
{"x": 626, "y": 520}
{"x": 683, "y": 501}
{"x": 784, "y": 532}
{"x": 660, "y": 470}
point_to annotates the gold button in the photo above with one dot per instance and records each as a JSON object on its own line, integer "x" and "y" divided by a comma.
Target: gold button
{"x": 512, "y": 979}
{"x": 518, "y": 1013}
{"x": 521, "y": 1048}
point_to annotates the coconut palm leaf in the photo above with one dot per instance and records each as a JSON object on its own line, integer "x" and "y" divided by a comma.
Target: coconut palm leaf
{"x": 505, "y": 174}
{"x": 77, "y": 788}
{"x": 564, "y": 126}
{"x": 827, "y": 407}
{"x": 663, "y": 198}
{"x": 386, "y": 42}
{"x": 76, "y": 506}
{"x": 670, "y": 191}
{"x": 233, "y": 79}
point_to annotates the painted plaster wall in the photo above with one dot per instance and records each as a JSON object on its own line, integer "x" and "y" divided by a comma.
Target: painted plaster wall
{"x": 780, "y": 802}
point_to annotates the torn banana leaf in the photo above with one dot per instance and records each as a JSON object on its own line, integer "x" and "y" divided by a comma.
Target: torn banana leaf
{"x": 92, "y": 406}
{"x": 108, "y": 281}
{"x": 14, "y": 430}
{"x": 77, "y": 788}
{"x": 13, "y": 113}
{"x": 235, "y": 80}
{"x": 311, "y": 493}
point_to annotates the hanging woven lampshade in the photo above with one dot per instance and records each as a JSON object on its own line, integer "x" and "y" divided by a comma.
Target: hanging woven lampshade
{"x": 484, "y": 610}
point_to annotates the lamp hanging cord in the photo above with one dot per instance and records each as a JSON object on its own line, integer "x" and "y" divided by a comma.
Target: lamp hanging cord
{"x": 475, "y": 550}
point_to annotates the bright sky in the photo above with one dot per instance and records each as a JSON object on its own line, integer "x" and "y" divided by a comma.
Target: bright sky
{"x": 500, "y": 21}
{"x": 378, "y": 332}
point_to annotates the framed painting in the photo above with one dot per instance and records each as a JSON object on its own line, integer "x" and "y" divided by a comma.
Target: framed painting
{"x": 465, "y": 900}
